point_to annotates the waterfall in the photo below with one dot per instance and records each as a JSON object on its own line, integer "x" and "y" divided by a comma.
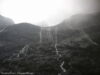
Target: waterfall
{"x": 57, "y": 52}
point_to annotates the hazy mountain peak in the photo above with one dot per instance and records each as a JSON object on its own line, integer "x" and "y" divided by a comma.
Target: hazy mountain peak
{"x": 5, "y": 21}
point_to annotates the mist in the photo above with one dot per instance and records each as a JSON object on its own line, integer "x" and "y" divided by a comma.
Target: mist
{"x": 65, "y": 10}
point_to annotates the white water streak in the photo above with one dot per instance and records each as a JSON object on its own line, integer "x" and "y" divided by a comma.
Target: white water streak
{"x": 62, "y": 64}
{"x": 41, "y": 35}
{"x": 50, "y": 37}
{"x": 23, "y": 50}
{"x": 3, "y": 29}
{"x": 56, "y": 42}
{"x": 57, "y": 52}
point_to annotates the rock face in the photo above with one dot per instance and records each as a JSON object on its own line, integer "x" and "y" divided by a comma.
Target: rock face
{"x": 16, "y": 36}
{"x": 30, "y": 48}
{"x": 4, "y": 22}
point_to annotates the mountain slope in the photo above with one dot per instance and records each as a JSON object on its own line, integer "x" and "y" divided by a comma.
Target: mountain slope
{"x": 14, "y": 37}
{"x": 4, "y": 22}
{"x": 76, "y": 42}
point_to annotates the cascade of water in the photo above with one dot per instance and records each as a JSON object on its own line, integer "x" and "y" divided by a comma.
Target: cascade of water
{"x": 50, "y": 37}
{"x": 56, "y": 42}
{"x": 55, "y": 45}
{"x": 63, "y": 62}
{"x": 3, "y": 29}
{"x": 23, "y": 50}
{"x": 41, "y": 35}
{"x": 57, "y": 52}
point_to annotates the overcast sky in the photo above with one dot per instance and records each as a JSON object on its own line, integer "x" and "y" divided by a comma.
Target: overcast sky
{"x": 67, "y": 9}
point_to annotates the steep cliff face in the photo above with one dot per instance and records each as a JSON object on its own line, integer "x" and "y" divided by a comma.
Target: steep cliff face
{"x": 26, "y": 47}
{"x": 14, "y": 37}
{"x": 4, "y": 22}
